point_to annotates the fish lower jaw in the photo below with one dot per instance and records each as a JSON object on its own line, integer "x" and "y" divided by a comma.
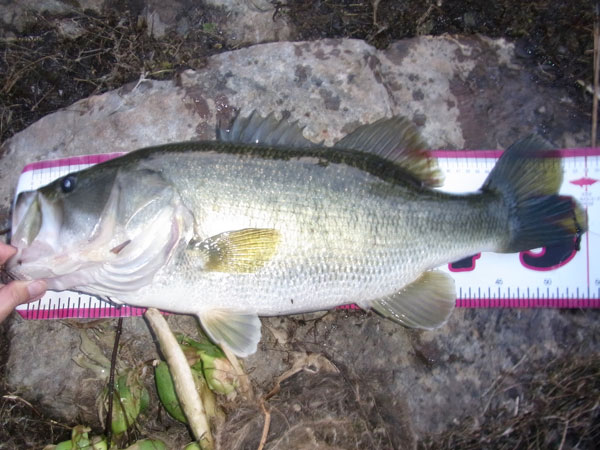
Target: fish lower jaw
{"x": 20, "y": 268}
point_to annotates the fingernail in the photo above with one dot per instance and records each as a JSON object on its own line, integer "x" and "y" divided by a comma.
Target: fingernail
{"x": 36, "y": 288}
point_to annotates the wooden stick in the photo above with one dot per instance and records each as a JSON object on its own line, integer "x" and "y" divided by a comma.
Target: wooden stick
{"x": 182, "y": 379}
{"x": 266, "y": 426}
{"x": 245, "y": 385}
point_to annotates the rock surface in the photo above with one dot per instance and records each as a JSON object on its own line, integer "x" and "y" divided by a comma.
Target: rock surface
{"x": 461, "y": 92}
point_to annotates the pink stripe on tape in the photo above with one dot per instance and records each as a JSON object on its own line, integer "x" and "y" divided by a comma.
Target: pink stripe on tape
{"x": 453, "y": 154}
{"x": 568, "y": 303}
{"x": 36, "y": 313}
{"x": 477, "y": 154}
{"x": 81, "y": 313}
{"x": 72, "y": 161}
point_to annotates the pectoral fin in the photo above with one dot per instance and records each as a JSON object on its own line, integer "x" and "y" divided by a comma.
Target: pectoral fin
{"x": 241, "y": 251}
{"x": 239, "y": 332}
{"x": 425, "y": 303}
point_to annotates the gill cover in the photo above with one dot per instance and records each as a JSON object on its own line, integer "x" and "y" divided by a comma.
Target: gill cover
{"x": 112, "y": 230}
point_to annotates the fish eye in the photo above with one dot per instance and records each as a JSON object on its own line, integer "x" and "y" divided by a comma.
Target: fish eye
{"x": 68, "y": 184}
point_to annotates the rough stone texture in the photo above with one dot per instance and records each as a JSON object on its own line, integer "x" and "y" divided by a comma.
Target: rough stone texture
{"x": 241, "y": 22}
{"x": 461, "y": 92}
{"x": 252, "y": 22}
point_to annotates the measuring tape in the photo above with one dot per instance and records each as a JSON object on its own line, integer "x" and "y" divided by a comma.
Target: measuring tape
{"x": 546, "y": 278}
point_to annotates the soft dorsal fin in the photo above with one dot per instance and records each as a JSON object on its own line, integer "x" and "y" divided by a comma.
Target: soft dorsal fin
{"x": 256, "y": 129}
{"x": 396, "y": 140}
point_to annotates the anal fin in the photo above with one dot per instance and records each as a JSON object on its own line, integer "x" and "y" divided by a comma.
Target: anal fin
{"x": 425, "y": 303}
{"x": 240, "y": 332}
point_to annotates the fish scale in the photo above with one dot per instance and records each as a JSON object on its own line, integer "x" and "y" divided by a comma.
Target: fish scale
{"x": 340, "y": 232}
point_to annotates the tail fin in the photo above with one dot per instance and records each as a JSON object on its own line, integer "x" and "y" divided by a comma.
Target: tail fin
{"x": 528, "y": 177}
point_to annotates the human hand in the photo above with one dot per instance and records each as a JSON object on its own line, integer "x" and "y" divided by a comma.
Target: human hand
{"x": 16, "y": 292}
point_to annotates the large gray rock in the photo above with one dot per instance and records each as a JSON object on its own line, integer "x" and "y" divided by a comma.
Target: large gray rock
{"x": 461, "y": 92}
{"x": 451, "y": 88}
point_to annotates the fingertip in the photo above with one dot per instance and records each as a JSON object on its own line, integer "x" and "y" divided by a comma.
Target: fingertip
{"x": 36, "y": 289}
{"x": 6, "y": 252}
{"x": 15, "y": 293}
{"x": 18, "y": 292}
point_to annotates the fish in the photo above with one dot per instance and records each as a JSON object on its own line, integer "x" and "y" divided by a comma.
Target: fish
{"x": 263, "y": 222}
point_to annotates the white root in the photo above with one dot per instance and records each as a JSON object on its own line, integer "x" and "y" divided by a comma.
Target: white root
{"x": 182, "y": 379}
{"x": 245, "y": 385}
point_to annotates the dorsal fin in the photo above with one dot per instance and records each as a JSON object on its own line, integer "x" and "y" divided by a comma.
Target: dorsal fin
{"x": 396, "y": 140}
{"x": 256, "y": 129}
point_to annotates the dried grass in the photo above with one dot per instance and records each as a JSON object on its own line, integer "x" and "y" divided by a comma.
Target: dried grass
{"x": 319, "y": 411}
{"x": 558, "y": 407}
{"x": 59, "y": 60}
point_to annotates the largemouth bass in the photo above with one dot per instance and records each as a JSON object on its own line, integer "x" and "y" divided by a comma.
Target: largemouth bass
{"x": 264, "y": 222}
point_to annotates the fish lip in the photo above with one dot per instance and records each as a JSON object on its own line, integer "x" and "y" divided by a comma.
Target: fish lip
{"x": 35, "y": 224}
{"x": 24, "y": 201}
{"x": 43, "y": 252}
{"x": 20, "y": 206}
{"x": 12, "y": 266}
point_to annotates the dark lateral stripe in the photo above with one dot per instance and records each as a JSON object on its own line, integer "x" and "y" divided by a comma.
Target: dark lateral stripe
{"x": 367, "y": 162}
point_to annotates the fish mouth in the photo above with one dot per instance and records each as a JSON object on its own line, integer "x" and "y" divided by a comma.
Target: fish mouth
{"x": 35, "y": 226}
{"x": 107, "y": 255}
{"x": 26, "y": 219}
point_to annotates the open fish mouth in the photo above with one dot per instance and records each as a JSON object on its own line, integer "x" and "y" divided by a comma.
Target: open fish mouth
{"x": 35, "y": 229}
{"x": 26, "y": 219}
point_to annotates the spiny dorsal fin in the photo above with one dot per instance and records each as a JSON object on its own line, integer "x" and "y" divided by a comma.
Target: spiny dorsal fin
{"x": 240, "y": 251}
{"x": 256, "y": 129}
{"x": 396, "y": 140}
{"x": 425, "y": 303}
